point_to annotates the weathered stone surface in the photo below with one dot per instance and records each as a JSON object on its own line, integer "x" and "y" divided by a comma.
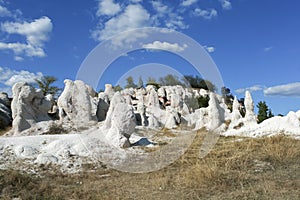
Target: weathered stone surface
{"x": 76, "y": 103}
{"x": 120, "y": 122}
{"x": 29, "y": 106}
{"x": 250, "y": 117}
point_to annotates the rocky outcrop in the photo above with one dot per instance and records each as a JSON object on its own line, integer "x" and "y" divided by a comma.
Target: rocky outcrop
{"x": 76, "y": 103}
{"x": 29, "y": 106}
{"x": 120, "y": 122}
{"x": 5, "y": 111}
{"x": 250, "y": 117}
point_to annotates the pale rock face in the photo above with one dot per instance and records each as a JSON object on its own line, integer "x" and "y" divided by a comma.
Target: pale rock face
{"x": 109, "y": 91}
{"x": 153, "y": 99}
{"x": 28, "y": 107}
{"x": 216, "y": 114}
{"x": 202, "y": 116}
{"x": 250, "y": 117}
{"x": 172, "y": 118}
{"x": 236, "y": 117}
{"x": 141, "y": 110}
{"x": 5, "y": 111}
{"x": 76, "y": 102}
{"x": 122, "y": 124}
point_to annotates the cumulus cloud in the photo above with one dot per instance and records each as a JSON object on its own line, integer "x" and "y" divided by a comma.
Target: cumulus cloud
{"x": 165, "y": 46}
{"x": 206, "y": 14}
{"x": 4, "y": 12}
{"x": 36, "y": 33}
{"x": 288, "y": 90}
{"x": 9, "y": 77}
{"x": 134, "y": 16}
{"x": 250, "y": 89}
{"x": 188, "y": 2}
{"x": 108, "y": 7}
{"x": 226, "y": 4}
{"x": 159, "y": 7}
{"x": 23, "y": 49}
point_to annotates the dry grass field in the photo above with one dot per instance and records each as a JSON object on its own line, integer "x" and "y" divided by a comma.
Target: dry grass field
{"x": 237, "y": 168}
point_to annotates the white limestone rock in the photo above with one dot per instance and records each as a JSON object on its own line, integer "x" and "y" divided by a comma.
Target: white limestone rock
{"x": 250, "y": 117}
{"x": 216, "y": 114}
{"x": 236, "y": 117}
{"x": 120, "y": 123}
{"x": 29, "y": 106}
{"x": 76, "y": 102}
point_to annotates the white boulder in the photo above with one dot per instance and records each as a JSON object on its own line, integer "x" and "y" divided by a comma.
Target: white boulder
{"x": 29, "y": 106}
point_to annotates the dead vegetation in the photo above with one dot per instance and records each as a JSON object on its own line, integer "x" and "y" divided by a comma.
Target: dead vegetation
{"x": 265, "y": 168}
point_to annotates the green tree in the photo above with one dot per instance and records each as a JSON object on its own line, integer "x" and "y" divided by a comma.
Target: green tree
{"x": 264, "y": 112}
{"x": 141, "y": 82}
{"x": 152, "y": 81}
{"x": 197, "y": 82}
{"x": 130, "y": 83}
{"x": 228, "y": 97}
{"x": 203, "y": 101}
{"x": 117, "y": 88}
{"x": 170, "y": 80}
{"x": 45, "y": 85}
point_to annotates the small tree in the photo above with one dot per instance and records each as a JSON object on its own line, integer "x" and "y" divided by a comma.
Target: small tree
{"x": 45, "y": 85}
{"x": 228, "y": 97}
{"x": 130, "y": 83}
{"x": 141, "y": 82}
{"x": 197, "y": 82}
{"x": 152, "y": 81}
{"x": 117, "y": 88}
{"x": 263, "y": 111}
{"x": 170, "y": 80}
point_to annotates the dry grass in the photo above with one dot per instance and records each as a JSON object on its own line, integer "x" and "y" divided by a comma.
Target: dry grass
{"x": 265, "y": 168}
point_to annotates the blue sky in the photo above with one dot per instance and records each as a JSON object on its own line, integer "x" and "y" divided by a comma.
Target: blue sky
{"x": 254, "y": 43}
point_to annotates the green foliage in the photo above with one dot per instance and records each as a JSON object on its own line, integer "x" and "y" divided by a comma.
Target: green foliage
{"x": 264, "y": 112}
{"x": 170, "y": 80}
{"x": 228, "y": 97}
{"x": 130, "y": 83}
{"x": 203, "y": 101}
{"x": 141, "y": 82}
{"x": 197, "y": 82}
{"x": 242, "y": 107}
{"x": 152, "y": 81}
{"x": 45, "y": 85}
{"x": 117, "y": 88}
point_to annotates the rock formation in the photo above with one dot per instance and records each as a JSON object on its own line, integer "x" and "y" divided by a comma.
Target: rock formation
{"x": 29, "y": 106}
{"x": 250, "y": 117}
{"x": 120, "y": 122}
{"x": 76, "y": 102}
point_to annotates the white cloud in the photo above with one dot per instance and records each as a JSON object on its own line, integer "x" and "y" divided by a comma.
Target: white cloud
{"x": 291, "y": 89}
{"x": 266, "y": 49}
{"x": 165, "y": 46}
{"x": 226, "y": 4}
{"x": 206, "y": 14}
{"x": 160, "y": 7}
{"x": 134, "y": 16}
{"x": 4, "y": 12}
{"x": 188, "y": 2}
{"x": 108, "y": 7}
{"x": 9, "y": 77}
{"x": 210, "y": 49}
{"x": 250, "y": 89}
{"x": 23, "y": 49}
{"x": 35, "y": 32}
